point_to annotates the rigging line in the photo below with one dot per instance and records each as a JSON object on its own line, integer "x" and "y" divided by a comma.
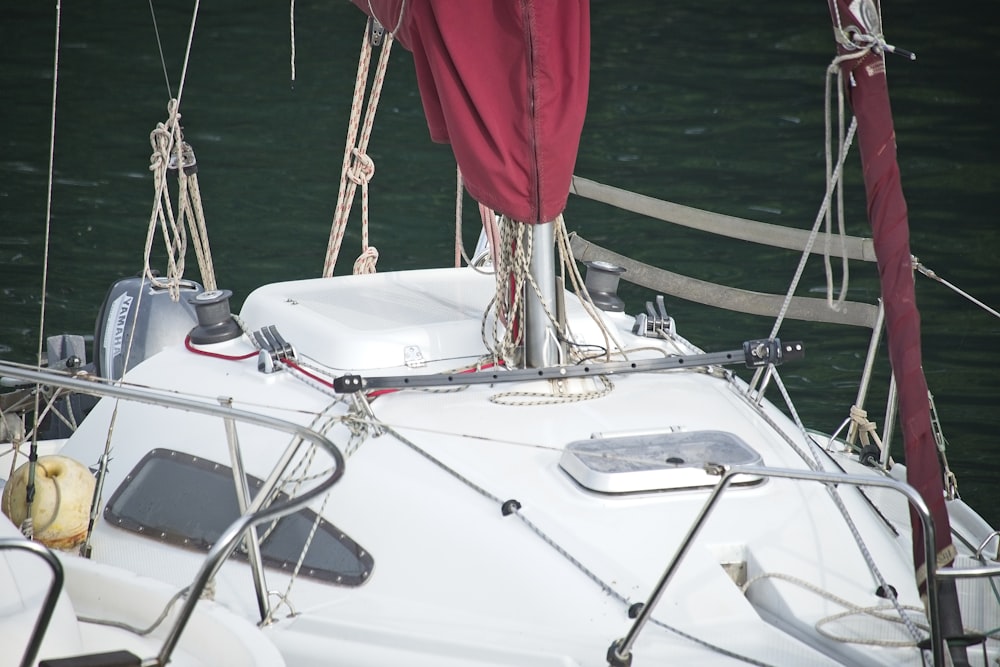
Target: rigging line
{"x": 159, "y": 47}
{"x": 459, "y": 246}
{"x": 174, "y": 110}
{"x": 291, "y": 21}
{"x": 187, "y": 53}
{"x": 876, "y": 612}
{"x": 838, "y": 501}
{"x": 826, "y": 203}
{"x": 924, "y": 270}
{"x": 605, "y": 586}
{"x": 208, "y": 398}
{"x": 33, "y": 449}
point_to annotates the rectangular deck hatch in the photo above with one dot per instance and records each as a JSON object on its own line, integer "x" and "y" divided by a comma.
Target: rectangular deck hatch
{"x": 654, "y": 461}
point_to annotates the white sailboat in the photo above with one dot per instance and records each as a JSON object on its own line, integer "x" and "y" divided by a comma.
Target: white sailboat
{"x": 497, "y": 465}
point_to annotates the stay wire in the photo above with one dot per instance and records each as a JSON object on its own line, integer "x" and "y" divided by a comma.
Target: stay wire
{"x": 159, "y": 47}
{"x": 33, "y": 449}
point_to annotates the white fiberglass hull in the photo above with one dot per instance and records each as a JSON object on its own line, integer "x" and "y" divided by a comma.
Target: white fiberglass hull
{"x": 456, "y": 580}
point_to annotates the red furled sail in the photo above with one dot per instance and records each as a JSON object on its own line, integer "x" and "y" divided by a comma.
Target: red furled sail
{"x": 869, "y": 96}
{"x": 505, "y": 83}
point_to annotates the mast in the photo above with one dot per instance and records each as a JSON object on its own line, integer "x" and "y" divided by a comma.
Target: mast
{"x": 541, "y": 347}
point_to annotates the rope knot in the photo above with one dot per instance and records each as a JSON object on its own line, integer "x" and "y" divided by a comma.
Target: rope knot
{"x": 365, "y": 263}
{"x": 159, "y": 141}
{"x": 863, "y": 426}
{"x": 362, "y": 168}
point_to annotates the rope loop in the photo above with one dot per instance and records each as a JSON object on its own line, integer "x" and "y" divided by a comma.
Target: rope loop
{"x": 171, "y": 152}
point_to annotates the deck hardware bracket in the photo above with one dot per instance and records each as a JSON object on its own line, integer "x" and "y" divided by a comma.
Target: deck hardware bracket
{"x": 870, "y": 456}
{"x": 346, "y": 384}
{"x": 770, "y": 351}
{"x": 616, "y": 659}
{"x": 376, "y": 32}
{"x": 413, "y": 357}
{"x": 887, "y": 591}
{"x": 716, "y": 469}
{"x": 274, "y": 349}
{"x": 655, "y": 322}
{"x": 754, "y": 353}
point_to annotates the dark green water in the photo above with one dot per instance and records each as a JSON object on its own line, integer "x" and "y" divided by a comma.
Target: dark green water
{"x": 717, "y": 105}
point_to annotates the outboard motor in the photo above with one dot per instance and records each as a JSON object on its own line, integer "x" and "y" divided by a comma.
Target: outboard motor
{"x": 139, "y": 319}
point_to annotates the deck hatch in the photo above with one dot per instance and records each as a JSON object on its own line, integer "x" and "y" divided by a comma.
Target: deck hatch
{"x": 654, "y": 461}
{"x": 188, "y": 501}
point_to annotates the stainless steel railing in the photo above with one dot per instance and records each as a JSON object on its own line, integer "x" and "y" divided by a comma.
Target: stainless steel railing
{"x": 256, "y": 511}
{"x": 620, "y": 650}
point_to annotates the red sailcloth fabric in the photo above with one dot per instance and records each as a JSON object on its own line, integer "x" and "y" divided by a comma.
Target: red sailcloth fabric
{"x": 505, "y": 83}
{"x": 868, "y": 92}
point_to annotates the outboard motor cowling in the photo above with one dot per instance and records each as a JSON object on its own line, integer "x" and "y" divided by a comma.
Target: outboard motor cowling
{"x": 139, "y": 319}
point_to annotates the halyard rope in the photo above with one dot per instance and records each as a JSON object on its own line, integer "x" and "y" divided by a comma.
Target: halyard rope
{"x": 171, "y": 152}
{"x": 513, "y": 279}
{"x": 358, "y": 168}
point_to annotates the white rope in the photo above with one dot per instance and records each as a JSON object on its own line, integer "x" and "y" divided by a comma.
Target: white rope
{"x": 572, "y": 270}
{"x": 877, "y": 612}
{"x": 834, "y": 493}
{"x": 358, "y": 168}
{"x": 862, "y": 427}
{"x": 166, "y": 140}
{"x": 199, "y": 230}
{"x": 838, "y": 185}
{"x": 172, "y": 153}
{"x": 168, "y": 143}
{"x": 162, "y": 140}
{"x": 834, "y": 177}
{"x": 291, "y": 38}
{"x": 361, "y": 174}
{"x": 512, "y": 253}
{"x": 511, "y": 265}
{"x": 459, "y": 247}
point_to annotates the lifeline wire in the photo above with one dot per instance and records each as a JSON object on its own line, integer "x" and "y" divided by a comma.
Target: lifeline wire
{"x": 605, "y": 586}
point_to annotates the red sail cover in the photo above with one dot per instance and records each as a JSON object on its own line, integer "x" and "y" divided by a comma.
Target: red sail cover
{"x": 869, "y": 96}
{"x": 505, "y": 83}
